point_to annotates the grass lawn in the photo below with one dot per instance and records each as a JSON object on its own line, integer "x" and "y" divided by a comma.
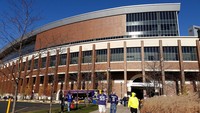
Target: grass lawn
{"x": 81, "y": 109}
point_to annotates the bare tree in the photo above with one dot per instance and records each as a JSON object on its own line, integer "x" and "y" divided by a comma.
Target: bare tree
{"x": 18, "y": 23}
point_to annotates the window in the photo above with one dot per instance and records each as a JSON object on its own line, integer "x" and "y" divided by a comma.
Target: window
{"x": 151, "y": 53}
{"x": 63, "y": 58}
{"x": 61, "y": 77}
{"x": 170, "y": 53}
{"x": 101, "y": 55}
{"x": 43, "y": 62}
{"x": 41, "y": 79}
{"x": 29, "y": 65}
{"x": 53, "y": 60}
{"x": 117, "y": 54}
{"x": 133, "y": 54}
{"x": 51, "y": 78}
{"x": 35, "y": 64}
{"x": 74, "y": 58}
{"x": 87, "y": 57}
{"x": 189, "y": 53}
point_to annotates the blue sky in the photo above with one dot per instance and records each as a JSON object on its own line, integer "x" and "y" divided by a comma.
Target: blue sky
{"x": 52, "y": 10}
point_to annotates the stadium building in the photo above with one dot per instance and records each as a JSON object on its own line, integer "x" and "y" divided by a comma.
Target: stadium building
{"x": 131, "y": 48}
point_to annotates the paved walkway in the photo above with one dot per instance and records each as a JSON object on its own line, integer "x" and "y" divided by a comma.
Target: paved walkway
{"x": 120, "y": 109}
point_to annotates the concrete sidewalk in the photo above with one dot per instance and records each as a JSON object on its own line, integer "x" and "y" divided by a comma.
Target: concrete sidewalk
{"x": 120, "y": 109}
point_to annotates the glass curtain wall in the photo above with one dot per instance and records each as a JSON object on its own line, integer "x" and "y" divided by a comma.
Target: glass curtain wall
{"x": 149, "y": 24}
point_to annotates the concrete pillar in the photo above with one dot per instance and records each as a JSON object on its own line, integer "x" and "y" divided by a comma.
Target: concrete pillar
{"x": 162, "y": 68}
{"x": 93, "y": 75}
{"x": 37, "y": 83}
{"x": 183, "y": 87}
{"x": 30, "y": 82}
{"x": 125, "y": 68}
{"x": 79, "y": 68}
{"x": 66, "y": 86}
{"x": 56, "y": 70}
{"x": 143, "y": 66}
{"x": 46, "y": 76}
{"x": 24, "y": 77}
{"x": 109, "y": 86}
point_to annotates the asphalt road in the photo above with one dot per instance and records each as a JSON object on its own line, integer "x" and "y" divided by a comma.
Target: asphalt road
{"x": 25, "y": 106}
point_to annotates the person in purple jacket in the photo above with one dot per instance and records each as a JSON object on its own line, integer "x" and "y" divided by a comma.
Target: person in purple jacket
{"x": 69, "y": 100}
{"x": 102, "y": 98}
{"x": 113, "y": 102}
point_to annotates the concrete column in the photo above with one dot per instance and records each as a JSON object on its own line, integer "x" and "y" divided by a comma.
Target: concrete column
{"x": 183, "y": 87}
{"x": 109, "y": 86}
{"x": 56, "y": 70}
{"x": 30, "y": 82}
{"x": 198, "y": 57}
{"x": 125, "y": 68}
{"x": 10, "y": 79}
{"x": 93, "y": 76}
{"x": 162, "y": 68}
{"x": 66, "y": 86}
{"x": 1, "y": 78}
{"x": 79, "y": 68}
{"x": 24, "y": 77}
{"x": 198, "y": 53}
{"x": 46, "y": 76}
{"x": 37, "y": 83}
{"x": 143, "y": 66}
{"x": 16, "y": 74}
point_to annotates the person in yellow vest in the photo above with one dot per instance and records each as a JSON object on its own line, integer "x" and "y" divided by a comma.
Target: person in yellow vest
{"x": 133, "y": 103}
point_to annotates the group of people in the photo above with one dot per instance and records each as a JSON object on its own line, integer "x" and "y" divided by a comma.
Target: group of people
{"x": 102, "y": 99}
{"x": 133, "y": 102}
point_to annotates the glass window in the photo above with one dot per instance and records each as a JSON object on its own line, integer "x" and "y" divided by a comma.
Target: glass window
{"x": 41, "y": 79}
{"x": 133, "y": 54}
{"x": 189, "y": 53}
{"x": 63, "y": 59}
{"x": 101, "y": 55}
{"x": 35, "y": 64}
{"x": 29, "y": 65}
{"x": 151, "y": 53}
{"x": 117, "y": 54}
{"x": 61, "y": 77}
{"x": 87, "y": 57}
{"x": 43, "y": 62}
{"x": 52, "y": 60}
{"x": 34, "y": 80}
{"x": 51, "y": 78}
{"x": 170, "y": 53}
{"x": 74, "y": 58}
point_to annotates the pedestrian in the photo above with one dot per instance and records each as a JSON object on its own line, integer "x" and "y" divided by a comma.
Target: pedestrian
{"x": 113, "y": 102}
{"x": 102, "y": 98}
{"x": 69, "y": 101}
{"x": 62, "y": 104}
{"x": 125, "y": 100}
{"x": 133, "y": 103}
